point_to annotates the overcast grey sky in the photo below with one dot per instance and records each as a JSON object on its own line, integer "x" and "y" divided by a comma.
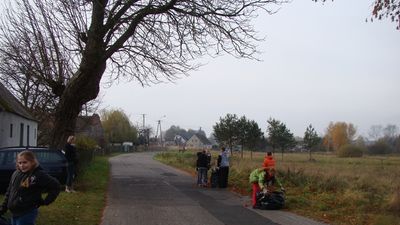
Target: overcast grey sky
{"x": 320, "y": 63}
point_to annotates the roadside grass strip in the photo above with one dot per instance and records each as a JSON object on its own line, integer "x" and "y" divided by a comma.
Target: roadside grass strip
{"x": 86, "y": 205}
{"x": 83, "y": 207}
{"x": 348, "y": 191}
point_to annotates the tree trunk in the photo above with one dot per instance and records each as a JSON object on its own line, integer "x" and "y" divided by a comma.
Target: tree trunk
{"x": 83, "y": 87}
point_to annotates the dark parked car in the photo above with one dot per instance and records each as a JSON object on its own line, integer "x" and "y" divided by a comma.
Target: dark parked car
{"x": 52, "y": 161}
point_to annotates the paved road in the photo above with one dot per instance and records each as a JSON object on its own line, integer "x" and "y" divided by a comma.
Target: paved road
{"x": 144, "y": 191}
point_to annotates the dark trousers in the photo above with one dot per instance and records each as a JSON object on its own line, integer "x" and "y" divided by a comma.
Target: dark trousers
{"x": 70, "y": 174}
{"x": 223, "y": 174}
{"x": 27, "y": 219}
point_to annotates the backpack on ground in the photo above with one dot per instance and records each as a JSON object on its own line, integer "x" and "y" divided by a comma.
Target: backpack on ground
{"x": 271, "y": 201}
{"x": 214, "y": 178}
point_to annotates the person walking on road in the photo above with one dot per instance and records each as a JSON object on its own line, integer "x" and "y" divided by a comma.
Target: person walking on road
{"x": 223, "y": 171}
{"x": 72, "y": 160}
{"x": 24, "y": 193}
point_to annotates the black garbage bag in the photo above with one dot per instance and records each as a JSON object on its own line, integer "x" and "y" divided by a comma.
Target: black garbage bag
{"x": 214, "y": 178}
{"x": 271, "y": 201}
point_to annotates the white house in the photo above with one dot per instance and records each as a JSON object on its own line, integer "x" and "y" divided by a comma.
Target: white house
{"x": 198, "y": 141}
{"x": 17, "y": 125}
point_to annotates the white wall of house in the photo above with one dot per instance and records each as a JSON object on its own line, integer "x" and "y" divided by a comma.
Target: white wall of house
{"x": 17, "y": 131}
{"x": 195, "y": 142}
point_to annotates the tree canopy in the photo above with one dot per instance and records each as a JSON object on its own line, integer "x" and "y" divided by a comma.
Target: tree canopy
{"x": 231, "y": 131}
{"x": 117, "y": 127}
{"x": 310, "y": 139}
{"x": 226, "y": 130}
{"x": 249, "y": 134}
{"x": 339, "y": 134}
{"x": 144, "y": 41}
{"x": 384, "y": 9}
{"x": 279, "y": 136}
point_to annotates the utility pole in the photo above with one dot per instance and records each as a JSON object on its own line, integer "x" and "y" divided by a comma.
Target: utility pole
{"x": 159, "y": 126}
{"x": 144, "y": 120}
{"x": 145, "y": 134}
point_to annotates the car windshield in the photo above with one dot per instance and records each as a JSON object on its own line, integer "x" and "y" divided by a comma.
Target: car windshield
{"x": 7, "y": 158}
{"x": 48, "y": 157}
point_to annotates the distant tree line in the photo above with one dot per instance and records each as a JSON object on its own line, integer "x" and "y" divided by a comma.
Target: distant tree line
{"x": 340, "y": 137}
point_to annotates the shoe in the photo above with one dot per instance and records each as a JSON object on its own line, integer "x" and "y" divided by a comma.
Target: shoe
{"x": 67, "y": 189}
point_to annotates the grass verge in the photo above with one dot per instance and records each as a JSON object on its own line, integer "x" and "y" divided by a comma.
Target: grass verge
{"x": 348, "y": 191}
{"x": 86, "y": 205}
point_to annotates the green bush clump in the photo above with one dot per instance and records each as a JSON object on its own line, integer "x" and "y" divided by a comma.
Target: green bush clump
{"x": 380, "y": 147}
{"x": 85, "y": 147}
{"x": 350, "y": 151}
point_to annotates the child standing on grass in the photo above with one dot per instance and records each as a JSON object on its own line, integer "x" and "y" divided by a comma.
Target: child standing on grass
{"x": 72, "y": 161}
{"x": 269, "y": 161}
{"x": 24, "y": 193}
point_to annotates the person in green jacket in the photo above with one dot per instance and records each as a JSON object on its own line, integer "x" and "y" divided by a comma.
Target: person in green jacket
{"x": 263, "y": 179}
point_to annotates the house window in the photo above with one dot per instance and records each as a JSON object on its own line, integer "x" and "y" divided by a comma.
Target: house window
{"x": 21, "y": 135}
{"x": 27, "y": 135}
{"x": 11, "y": 130}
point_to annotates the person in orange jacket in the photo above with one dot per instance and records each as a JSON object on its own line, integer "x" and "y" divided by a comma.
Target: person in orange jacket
{"x": 269, "y": 161}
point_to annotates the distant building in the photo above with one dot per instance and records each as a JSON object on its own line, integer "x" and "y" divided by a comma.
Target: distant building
{"x": 198, "y": 141}
{"x": 90, "y": 126}
{"x": 17, "y": 126}
{"x": 180, "y": 140}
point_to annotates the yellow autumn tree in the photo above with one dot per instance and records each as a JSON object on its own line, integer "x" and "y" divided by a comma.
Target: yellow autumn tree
{"x": 339, "y": 134}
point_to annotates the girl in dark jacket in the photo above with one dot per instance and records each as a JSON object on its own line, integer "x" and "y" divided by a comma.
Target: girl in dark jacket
{"x": 72, "y": 160}
{"x": 24, "y": 193}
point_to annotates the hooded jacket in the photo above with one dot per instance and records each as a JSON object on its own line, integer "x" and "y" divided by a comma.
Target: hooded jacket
{"x": 25, "y": 190}
{"x": 269, "y": 162}
{"x": 263, "y": 179}
{"x": 257, "y": 176}
{"x": 202, "y": 160}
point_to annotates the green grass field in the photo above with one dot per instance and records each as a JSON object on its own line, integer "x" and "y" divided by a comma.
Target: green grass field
{"x": 84, "y": 207}
{"x": 330, "y": 189}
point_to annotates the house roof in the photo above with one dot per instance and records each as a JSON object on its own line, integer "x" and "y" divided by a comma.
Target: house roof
{"x": 9, "y": 103}
{"x": 177, "y": 136}
{"x": 83, "y": 122}
{"x": 203, "y": 139}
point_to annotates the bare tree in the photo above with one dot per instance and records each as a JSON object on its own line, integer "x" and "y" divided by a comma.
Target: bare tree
{"x": 148, "y": 41}
{"x": 390, "y": 131}
{"x": 34, "y": 64}
{"x": 375, "y": 132}
{"x": 383, "y": 9}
